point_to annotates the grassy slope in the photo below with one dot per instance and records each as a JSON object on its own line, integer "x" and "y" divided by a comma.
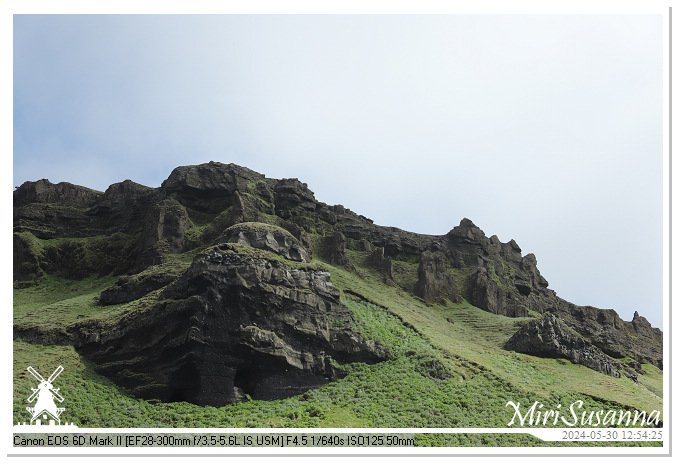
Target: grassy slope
{"x": 443, "y": 373}
{"x": 479, "y": 336}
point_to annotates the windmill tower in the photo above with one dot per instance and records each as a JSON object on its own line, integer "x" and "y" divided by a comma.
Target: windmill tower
{"x": 45, "y": 407}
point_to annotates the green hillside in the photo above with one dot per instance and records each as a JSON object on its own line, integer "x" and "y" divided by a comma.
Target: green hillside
{"x": 448, "y": 366}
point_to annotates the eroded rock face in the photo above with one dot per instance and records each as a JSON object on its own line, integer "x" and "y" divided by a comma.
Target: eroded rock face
{"x": 293, "y": 197}
{"x": 238, "y": 212}
{"x": 335, "y": 250}
{"x": 490, "y": 295}
{"x": 435, "y": 283}
{"x": 208, "y": 188}
{"x": 468, "y": 244}
{"x": 167, "y": 220}
{"x": 548, "y": 336}
{"x": 381, "y": 262}
{"x": 615, "y": 337}
{"x": 234, "y": 324}
{"x": 130, "y": 288}
{"x": 266, "y": 237}
{"x": 301, "y": 235}
{"x": 44, "y": 191}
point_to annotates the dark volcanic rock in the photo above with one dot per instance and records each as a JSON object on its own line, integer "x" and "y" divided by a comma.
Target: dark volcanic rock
{"x": 300, "y": 234}
{"x": 238, "y": 212}
{"x": 435, "y": 283}
{"x": 548, "y": 336}
{"x": 123, "y": 194}
{"x": 234, "y": 324}
{"x": 383, "y": 263}
{"x": 43, "y": 191}
{"x": 266, "y": 237}
{"x": 208, "y": 188}
{"x": 130, "y": 288}
{"x": 468, "y": 244}
{"x": 488, "y": 293}
{"x": 122, "y": 208}
{"x": 615, "y": 337}
{"x": 167, "y": 220}
{"x": 293, "y": 198}
{"x": 335, "y": 251}
{"x": 50, "y": 210}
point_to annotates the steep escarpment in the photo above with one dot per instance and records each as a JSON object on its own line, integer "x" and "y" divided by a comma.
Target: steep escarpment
{"x": 253, "y": 312}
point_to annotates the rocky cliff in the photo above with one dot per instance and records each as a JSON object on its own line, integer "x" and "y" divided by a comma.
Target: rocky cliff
{"x": 253, "y": 314}
{"x": 238, "y": 322}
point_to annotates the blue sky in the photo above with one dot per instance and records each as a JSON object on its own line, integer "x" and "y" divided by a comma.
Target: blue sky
{"x": 544, "y": 129}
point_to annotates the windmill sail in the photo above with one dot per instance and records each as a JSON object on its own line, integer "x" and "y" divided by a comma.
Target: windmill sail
{"x": 35, "y": 373}
{"x": 36, "y": 391}
{"x": 56, "y": 395}
{"x": 55, "y": 374}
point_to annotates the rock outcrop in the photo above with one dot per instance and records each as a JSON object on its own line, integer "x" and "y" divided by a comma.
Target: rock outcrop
{"x": 238, "y": 211}
{"x": 379, "y": 261}
{"x": 238, "y": 322}
{"x": 130, "y": 288}
{"x": 266, "y": 237}
{"x": 335, "y": 250}
{"x": 550, "y": 337}
{"x": 435, "y": 283}
{"x": 487, "y": 292}
{"x": 45, "y": 192}
{"x": 167, "y": 220}
{"x": 615, "y": 337}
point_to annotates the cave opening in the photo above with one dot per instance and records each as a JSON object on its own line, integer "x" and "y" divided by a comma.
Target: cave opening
{"x": 246, "y": 379}
{"x": 184, "y": 384}
{"x": 180, "y": 394}
{"x": 523, "y": 289}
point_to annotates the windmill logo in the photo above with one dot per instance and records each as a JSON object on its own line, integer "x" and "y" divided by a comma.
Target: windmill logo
{"x": 45, "y": 408}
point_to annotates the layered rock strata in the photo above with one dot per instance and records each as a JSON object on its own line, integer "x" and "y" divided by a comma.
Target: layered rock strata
{"x": 239, "y": 323}
{"x": 549, "y": 336}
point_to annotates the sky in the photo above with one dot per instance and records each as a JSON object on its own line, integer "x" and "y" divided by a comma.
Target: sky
{"x": 546, "y": 129}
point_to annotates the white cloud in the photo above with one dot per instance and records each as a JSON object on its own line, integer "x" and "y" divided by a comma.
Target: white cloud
{"x": 546, "y": 129}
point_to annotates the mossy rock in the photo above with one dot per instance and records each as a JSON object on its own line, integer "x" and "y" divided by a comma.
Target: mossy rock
{"x": 266, "y": 237}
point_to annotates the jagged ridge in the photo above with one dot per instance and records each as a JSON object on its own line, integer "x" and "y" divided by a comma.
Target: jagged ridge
{"x": 197, "y": 205}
